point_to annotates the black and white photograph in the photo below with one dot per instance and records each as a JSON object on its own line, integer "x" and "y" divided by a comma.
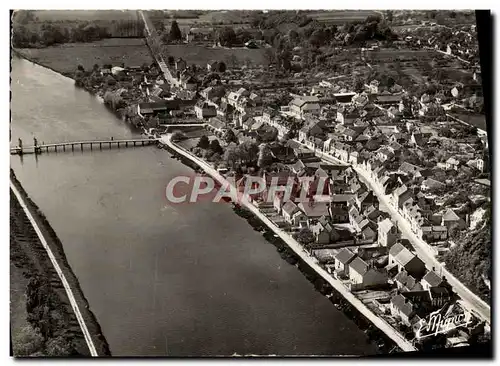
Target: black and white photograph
{"x": 250, "y": 183}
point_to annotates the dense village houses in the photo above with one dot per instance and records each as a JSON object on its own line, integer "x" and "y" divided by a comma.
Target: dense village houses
{"x": 342, "y": 260}
{"x": 364, "y": 276}
{"x": 203, "y": 110}
{"x": 303, "y": 105}
{"x": 405, "y": 260}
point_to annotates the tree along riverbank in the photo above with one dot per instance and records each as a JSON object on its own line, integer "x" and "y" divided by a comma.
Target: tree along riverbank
{"x": 123, "y": 108}
{"x": 384, "y": 343}
{"x": 53, "y": 327}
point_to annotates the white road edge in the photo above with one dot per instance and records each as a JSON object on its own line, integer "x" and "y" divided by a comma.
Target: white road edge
{"x": 381, "y": 324}
{"x": 74, "y": 305}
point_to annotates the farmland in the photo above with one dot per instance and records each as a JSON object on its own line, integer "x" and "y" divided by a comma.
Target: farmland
{"x": 85, "y": 15}
{"x": 65, "y": 58}
{"x": 342, "y": 16}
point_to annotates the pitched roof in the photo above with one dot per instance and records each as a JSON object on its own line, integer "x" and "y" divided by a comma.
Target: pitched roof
{"x": 290, "y": 208}
{"x": 450, "y": 215}
{"x": 358, "y": 265}
{"x": 385, "y": 225}
{"x": 345, "y": 256}
{"x": 396, "y": 248}
{"x": 314, "y": 209}
{"x": 403, "y": 306}
{"x": 432, "y": 279}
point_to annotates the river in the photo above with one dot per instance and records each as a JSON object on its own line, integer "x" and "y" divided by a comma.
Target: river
{"x": 184, "y": 280}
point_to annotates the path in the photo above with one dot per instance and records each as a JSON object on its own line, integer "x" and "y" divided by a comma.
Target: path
{"x": 67, "y": 288}
{"x": 298, "y": 249}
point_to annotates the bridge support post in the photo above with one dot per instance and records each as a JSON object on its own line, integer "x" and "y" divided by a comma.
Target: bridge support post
{"x": 91, "y": 144}
{"x": 55, "y": 148}
{"x": 134, "y": 143}
{"x": 100, "y": 145}
{"x": 126, "y": 143}
{"x": 64, "y": 147}
{"x": 110, "y": 145}
{"x": 81, "y": 146}
{"x": 142, "y": 143}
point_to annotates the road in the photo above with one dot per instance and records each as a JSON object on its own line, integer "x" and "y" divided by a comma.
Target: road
{"x": 298, "y": 249}
{"x": 67, "y": 288}
{"x": 423, "y": 250}
{"x": 426, "y": 254}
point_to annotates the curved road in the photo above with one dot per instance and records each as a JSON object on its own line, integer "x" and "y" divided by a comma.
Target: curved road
{"x": 299, "y": 250}
{"x": 423, "y": 250}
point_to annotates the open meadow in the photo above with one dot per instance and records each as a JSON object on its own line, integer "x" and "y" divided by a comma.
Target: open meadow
{"x": 65, "y": 58}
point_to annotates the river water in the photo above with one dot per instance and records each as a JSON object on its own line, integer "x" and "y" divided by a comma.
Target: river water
{"x": 185, "y": 280}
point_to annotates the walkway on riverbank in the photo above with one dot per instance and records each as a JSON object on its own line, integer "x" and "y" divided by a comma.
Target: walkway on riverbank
{"x": 298, "y": 249}
{"x": 83, "y": 324}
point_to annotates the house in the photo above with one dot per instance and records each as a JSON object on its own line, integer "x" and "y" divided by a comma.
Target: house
{"x": 432, "y": 233}
{"x": 452, "y": 164}
{"x": 431, "y": 184}
{"x": 402, "y": 309}
{"x": 476, "y": 163}
{"x": 364, "y": 276}
{"x": 217, "y": 125}
{"x": 204, "y": 110}
{"x": 189, "y": 82}
{"x": 312, "y": 128}
{"x": 410, "y": 169}
{"x": 450, "y": 219}
{"x": 323, "y": 231}
{"x": 388, "y": 233}
{"x": 366, "y": 199}
{"x": 405, "y": 260}
{"x": 213, "y": 66}
{"x": 342, "y": 260}
{"x": 303, "y": 105}
{"x": 292, "y": 214}
{"x": 406, "y": 282}
{"x": 419, "y": 139}
{"x": 208, "y": 93}
{"x": 431, "y": 279}
{"x": 155, "y": 108}
{"x": 199, "y": 34}
{"x": 387, "y": 100}
{"x": 180, "y": 65}
{"x": 385, "y": 154}
{"x": 367, "y": 230}
{"x": 314, "y": 210}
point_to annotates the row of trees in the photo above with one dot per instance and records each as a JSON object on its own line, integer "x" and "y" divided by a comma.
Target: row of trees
{"x": 470, "y": 260}
{"x": 49, "y": 34}
{"x": 47, "y": 333}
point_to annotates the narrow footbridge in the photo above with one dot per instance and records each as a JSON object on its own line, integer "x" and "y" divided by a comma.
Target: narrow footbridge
{"x": 80, "y": 145}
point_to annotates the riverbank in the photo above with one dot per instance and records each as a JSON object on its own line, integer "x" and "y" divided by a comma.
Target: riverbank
{"x": 355, "y": 305}
{"x": 64, "y": 69}
{"x": 60, "y": 333}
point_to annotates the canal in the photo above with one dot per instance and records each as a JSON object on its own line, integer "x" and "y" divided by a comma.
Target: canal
{"x": 184, "y": 280}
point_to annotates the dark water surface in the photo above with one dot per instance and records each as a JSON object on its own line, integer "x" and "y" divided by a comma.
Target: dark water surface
{"x": 188, "y": 280}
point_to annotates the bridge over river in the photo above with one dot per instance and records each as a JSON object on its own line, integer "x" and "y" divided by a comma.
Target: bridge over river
{"x": 89, "y": 144}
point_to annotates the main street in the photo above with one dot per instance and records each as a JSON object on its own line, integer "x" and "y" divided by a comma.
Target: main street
{"x": 423, "y": 249}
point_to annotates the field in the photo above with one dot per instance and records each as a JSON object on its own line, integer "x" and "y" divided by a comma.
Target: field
{"x": 341, "y": 16}
{"x": 65, "y": 58}
{"x": 85, "y": 15}
{"x": 200, "y": 55}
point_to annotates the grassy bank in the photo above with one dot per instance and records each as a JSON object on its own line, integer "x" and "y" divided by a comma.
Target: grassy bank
{"x": 65, "y": 58}
{"x": 51, "y": 327}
